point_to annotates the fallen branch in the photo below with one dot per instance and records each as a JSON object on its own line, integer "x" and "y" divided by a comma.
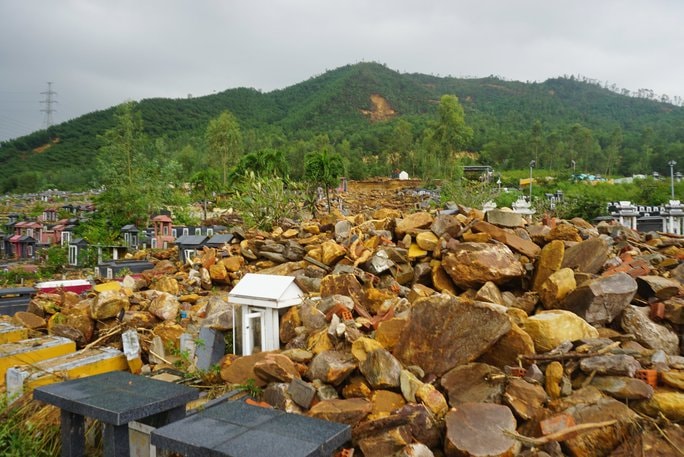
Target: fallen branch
{"x": 559, "y": 357}
{"x": 561, "y": 435}
{"x": 113, "y": 331}
{"x": 159, "y": 357}
{"x": 667, "y": 438}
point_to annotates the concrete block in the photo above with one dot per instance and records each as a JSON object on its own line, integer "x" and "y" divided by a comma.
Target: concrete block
{"x": 79, "y": 364}
{"x": 31, "y": 351}
{"x": 10, "y": 333}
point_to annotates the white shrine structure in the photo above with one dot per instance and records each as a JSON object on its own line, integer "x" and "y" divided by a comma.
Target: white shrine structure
{"x": 261, "y": 297}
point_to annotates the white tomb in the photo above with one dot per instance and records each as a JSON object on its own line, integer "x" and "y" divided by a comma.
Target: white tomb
{"x": 260, "y": 298}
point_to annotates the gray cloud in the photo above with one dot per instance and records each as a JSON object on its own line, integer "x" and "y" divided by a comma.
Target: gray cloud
{"x": 99, "y": 53}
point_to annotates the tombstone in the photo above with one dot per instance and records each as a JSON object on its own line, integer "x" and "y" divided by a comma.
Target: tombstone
{"x": 403, "y": 176}
{"x": 260, "y": 298}
{"x": 211, "y": 348}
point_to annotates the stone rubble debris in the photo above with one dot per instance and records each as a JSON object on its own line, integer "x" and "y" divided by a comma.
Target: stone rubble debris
{"x": 428, "y": 333}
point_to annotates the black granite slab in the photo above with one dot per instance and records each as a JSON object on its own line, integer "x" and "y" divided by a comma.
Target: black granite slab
{"x": 237, "y": 429}
{"x": 117, "y": 397}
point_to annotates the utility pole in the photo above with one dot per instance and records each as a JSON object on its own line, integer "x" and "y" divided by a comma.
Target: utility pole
{"x": 49, "y": 101}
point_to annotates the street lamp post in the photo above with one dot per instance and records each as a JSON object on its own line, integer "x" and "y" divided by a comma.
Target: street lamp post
{"x": 533, "y": 164}
{"x": 672, "y": 163}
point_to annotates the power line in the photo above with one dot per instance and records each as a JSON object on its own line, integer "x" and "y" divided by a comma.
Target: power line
{"x": 48, "y": 105}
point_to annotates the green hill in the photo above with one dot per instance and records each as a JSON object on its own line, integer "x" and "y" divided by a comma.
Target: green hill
{"x": 358, "y": 109}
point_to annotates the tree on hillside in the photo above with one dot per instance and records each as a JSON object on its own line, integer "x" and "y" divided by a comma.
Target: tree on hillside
{"x": 266, "y": 162}
{"x": 449, "y": 134}
{"x": 324, "y": 169}
{"x": 224, "y": 141}
{"x": 613, "y": 151}
{"x": 402, "y": 143}
{"x": 136, "y": 175}
{"x": 204, "y": 184}
{"x": 536, "y": 138}
{"x": 122, "y": 167}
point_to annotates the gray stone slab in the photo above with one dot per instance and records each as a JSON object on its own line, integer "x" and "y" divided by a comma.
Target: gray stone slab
{"x": 117, "y": 397}
{"x": 237, "y": 429}
{"x": 326, "y": 435}
{"x": 211, "y": 350}
{"x": 240, "y": 413}
{"x": 257, "y": 443}
{"x": 195, "y": 435}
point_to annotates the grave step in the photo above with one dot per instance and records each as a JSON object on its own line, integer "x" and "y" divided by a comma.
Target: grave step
{"x": 86, "y": 362}
{"x": 32, "y": 351}
{"x": 10, "y": 333}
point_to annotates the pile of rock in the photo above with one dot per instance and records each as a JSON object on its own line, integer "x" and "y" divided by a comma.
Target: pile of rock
{"x": 438, "y": 334}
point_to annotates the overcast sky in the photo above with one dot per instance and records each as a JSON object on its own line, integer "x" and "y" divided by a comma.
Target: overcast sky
{"x": 99, "y": 53}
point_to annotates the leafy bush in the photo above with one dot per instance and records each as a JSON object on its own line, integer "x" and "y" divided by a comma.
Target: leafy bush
{"x": 56, "y": 259}
{"x": 263, "y": 201}
{"x": 467, "y": 193}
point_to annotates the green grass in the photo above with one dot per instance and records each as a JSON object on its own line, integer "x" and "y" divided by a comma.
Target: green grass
{"x": 28, "y": 429}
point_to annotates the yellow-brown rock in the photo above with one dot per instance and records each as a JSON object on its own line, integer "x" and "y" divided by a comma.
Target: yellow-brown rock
{"x": 108, "y": 304}
{"x": 509, "y": 348}
{"x": 170, "y": 333}
{"x": 362, "y": 346}
{"x": 673, "y": 378}
{"x": 550, "y": 328}
{"x": 29, "y": 320}
{"x": 441, "y": 280}
{"x": 386, "y": 213}
{"x": 288, "y": 323}
{"x": 331, "y": 252}
{"x": 313, "y": 229}
{"x": 375, "y": 298}
{"x": 385, "y": 402}
{"x": 421, "y": 291}
{"x": 669, "y": 403}
{"x": 564, "y": 232}
{"x": 550, "y": 260}
{"x": 357, "y": 387}
{"x": 319, "y": 342}
{"x": 233, "y": 263}
{"x": 427, "y": 241}
{"x": 290, "y": 233}
{"x": 166, "y": 284}
{"x": 348, "y": 411}
{"x": 389, "y": 332}
{"x": 241, "y": 369}
{"x": 554, "y": 375}
{"x": 472, "y": 264}
{"x": 218, "y": 272}
{"x": 412, "y": 223}
{"x": 556, "y": 287}
{"x": 276, "y": 368}
{"x": 416, "y": 252}
{"x": 481, "y": 237}
{"x": 433, "y": 400}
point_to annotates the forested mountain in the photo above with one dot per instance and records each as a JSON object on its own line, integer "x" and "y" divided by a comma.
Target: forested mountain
{"x": 379, "y": 120}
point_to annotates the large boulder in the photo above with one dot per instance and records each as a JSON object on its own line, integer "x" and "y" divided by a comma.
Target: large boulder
{"x": 635, "y": 320}
{"x": 444, "y": 331}
{"x": 587, "y": 256}
{"x": 601, "y": 300}
{"x": 470, "y": 265}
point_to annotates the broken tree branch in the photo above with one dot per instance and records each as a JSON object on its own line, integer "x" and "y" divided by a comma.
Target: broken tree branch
{"x": 561, "y": 435}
